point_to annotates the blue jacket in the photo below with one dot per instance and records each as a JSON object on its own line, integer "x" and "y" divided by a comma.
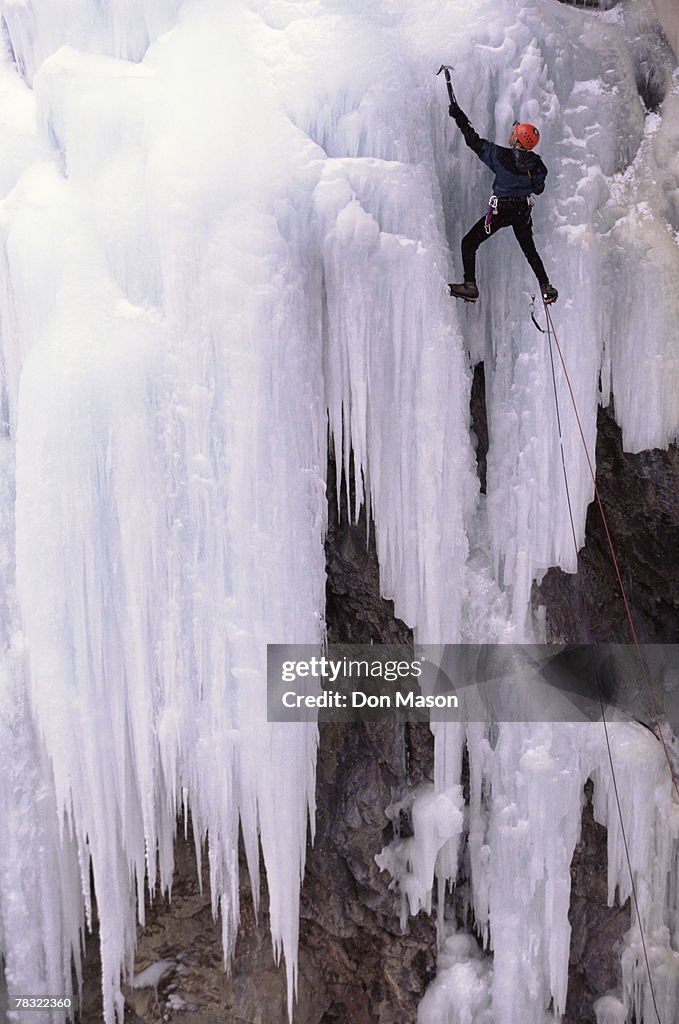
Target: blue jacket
{"x": 518, "y": 172}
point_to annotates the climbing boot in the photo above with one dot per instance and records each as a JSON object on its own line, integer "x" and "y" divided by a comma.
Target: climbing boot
{"x": 467, "y": 291}
{"x": 549, "y": 294}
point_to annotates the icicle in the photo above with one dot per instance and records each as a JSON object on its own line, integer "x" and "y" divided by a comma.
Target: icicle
{"x": 219, "y": 237}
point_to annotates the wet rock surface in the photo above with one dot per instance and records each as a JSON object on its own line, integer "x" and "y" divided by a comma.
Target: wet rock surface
{"x": 597, "y": 930}
{"x": 639, "y": 497}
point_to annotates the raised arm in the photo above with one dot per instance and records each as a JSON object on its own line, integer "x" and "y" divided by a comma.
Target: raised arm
{"x": 482, "y": 147}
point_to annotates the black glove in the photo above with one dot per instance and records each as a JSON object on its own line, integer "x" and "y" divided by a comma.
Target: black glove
{"x": 461, "y": 119}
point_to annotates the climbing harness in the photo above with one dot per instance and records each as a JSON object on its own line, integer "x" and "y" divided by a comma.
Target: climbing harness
{"x": 493, "y": 206}
{"x": 551, "y": 334}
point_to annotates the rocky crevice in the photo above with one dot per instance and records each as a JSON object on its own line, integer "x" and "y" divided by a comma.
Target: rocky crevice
{"x": 597, "y": 930}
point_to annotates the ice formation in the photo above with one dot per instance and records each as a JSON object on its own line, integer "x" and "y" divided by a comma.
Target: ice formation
{"x": 222, "y": 227}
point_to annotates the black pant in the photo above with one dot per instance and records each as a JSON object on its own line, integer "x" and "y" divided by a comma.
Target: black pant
{"x": 516, "y": 214}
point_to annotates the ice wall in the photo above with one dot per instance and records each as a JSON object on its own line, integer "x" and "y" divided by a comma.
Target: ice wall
{"x": 37, "y": 850}
{"x": 36, "y": 28}
{"x": 668, "y": 16}
{"x": 224, "y": 227}
{"x": 166, "y": 422}
{"x": 525, "y": 803}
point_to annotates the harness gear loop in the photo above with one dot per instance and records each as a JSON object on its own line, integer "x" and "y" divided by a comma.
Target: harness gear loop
{"x": 492, "y": 209}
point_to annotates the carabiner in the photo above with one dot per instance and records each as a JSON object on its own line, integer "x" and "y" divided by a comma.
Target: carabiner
{"x": 532, "y": 315}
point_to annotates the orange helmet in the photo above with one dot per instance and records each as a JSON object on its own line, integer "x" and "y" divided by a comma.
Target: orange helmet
{"x": 527, "y": 135}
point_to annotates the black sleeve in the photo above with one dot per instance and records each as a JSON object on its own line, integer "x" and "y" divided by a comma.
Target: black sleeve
{"x": 480, "y": 146}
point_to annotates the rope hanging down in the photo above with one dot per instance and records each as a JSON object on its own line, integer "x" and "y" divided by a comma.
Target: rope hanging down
{"x": 550, "y": 331}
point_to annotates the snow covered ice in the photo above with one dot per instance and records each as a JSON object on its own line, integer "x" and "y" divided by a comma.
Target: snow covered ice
{"x": 224, "y": 227}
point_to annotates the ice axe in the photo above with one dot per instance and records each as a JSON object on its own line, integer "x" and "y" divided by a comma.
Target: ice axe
{"x": 446, "y": 69}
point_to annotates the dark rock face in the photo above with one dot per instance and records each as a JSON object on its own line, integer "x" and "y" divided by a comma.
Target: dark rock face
{"x": 477, "y": 406}
{"x": 639, "y": 496}
{"x": 596, "y": 929}
{"x": 358, "y": 965}
{"x": 366, "y": 970}
{"x": 355, "y": 613}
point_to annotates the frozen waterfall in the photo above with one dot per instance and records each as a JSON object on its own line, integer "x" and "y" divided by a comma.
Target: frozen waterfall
{"x": 224, "y": 230}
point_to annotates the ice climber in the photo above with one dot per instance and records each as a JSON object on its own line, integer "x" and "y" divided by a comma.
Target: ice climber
{"x": 518, "y": 173}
